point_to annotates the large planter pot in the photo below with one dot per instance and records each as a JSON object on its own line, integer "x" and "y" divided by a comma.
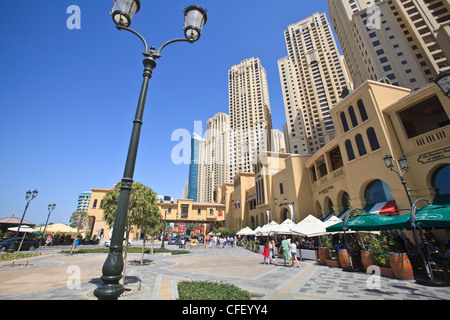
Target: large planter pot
{"x": 386, "y": 272}
{"x": 367, "y": 259}
{"x": 333, "y": 263}
{"x": 322, "y": 256}
{"x": 401, "y": 266}
{"x": 344, "y": 258}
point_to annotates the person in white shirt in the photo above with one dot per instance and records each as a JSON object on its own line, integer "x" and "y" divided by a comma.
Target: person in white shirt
{"x": 293, "y": 250}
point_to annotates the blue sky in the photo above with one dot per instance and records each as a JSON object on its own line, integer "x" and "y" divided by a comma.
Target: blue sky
{"x": 68, "y": 97}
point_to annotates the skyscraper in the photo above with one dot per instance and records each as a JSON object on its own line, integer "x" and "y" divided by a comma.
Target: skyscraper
{"x": 213, "y": 168}
{"x": 83, "y": 201}
{"x": 312, "y": 78}
{"x": 193, "y": 167}
{"x": 250, "y": 115}
{"x": 407, "y": 43}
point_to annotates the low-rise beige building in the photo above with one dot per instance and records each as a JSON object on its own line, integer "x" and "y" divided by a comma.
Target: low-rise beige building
{"x": 180, "y": 214}
{"x": 375, "y": 120}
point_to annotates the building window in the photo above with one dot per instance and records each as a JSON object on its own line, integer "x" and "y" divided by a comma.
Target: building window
{"x": 360, "y": 145}
{"x": 95, "y": 204}
{"x": 344, "y": 122}
{"x": 362, "y": 110}
{"x": 371, "y": 135}
{"x": 281, "y": 189}
{"x": 351, "y": 111}
{"x": 350, "y": 152}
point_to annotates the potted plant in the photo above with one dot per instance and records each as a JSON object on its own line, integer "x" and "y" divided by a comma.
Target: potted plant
{"x": 379, "y": 248}
{"x": 366, "y": 256}
{"x": 330, "y": 260}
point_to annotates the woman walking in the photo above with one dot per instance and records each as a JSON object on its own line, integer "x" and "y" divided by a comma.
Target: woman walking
{"x": 286, "y": 250}
{"x": 272, "y": 252}
{"x": 266, "y": 253}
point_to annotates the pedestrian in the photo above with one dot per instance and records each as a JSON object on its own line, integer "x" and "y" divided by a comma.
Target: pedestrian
{"x": 293, "y": 249}
{"x": 75, "y": 246}
{"x": 285, "y": 249}
{"x": 266, "y": 253}
{"x": 272, "y": 252}
{"x": 49, "y": 240}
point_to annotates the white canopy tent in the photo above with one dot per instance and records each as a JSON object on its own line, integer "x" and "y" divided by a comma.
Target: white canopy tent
{"x": 309, "y": 227}
{"x": 267, "y": 229}
{"x": 246, "y": 232}
{"x": 284, "y": 227}
{"x": 23, "y": 228}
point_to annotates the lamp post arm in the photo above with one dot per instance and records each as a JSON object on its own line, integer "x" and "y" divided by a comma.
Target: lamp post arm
{"x": 158, "y": 53}
{"x": 137, "y": 34}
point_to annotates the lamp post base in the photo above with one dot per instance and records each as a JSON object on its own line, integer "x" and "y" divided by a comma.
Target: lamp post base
{"x": 432, "y": 283}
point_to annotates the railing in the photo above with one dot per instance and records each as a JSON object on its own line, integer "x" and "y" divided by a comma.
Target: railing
{"x": 429, "y": 138}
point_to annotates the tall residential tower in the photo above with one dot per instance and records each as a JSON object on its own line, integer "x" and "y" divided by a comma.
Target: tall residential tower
{"x": 250, "y": 115}
{"x": 406, "y": 43}
{"x": 313, "y": 77}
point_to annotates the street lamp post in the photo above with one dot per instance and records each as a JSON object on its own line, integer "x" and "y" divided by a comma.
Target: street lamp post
{"x": 122, "y": 14}
{"x": 28, "y": 196}
{"x": 388, "y": 161}
{"x": 443, "y": 81}
{"x": 51, "y": 207}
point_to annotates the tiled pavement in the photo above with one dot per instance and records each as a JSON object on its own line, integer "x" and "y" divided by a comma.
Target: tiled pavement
{"x": 63, "y": 277}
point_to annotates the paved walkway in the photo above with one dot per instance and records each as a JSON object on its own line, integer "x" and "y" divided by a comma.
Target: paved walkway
{"x": 62, "y": 277}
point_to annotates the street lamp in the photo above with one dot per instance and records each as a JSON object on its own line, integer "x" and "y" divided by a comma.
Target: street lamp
{"x": 388, "y": 161}
{"x": 123, "y": 12}
{"x": 443, "y": 81}
{"x": 51, "y": 207}
{"x": 28, "y": 196}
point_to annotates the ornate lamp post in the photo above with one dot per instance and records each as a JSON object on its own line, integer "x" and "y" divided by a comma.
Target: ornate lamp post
{"x": 51, "y": 207}
{"x": 443, "y": 81}
{"x": 122, "y": 14}
{"x": 388, "y": 161}
{"x": 29, "y": 196}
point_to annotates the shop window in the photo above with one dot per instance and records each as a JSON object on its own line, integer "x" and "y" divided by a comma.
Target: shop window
{"x": 378, "y": 191}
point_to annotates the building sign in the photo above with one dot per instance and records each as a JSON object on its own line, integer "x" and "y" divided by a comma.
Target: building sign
{"x": 320, "y": 161}
{"x": 326, "y": 190}
{"x": 434, "y": 156}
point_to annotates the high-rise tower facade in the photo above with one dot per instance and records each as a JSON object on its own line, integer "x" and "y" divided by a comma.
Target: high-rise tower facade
{"x": 214, "y": 167}
{"x": 405, "y": 42}
{"x": 250, "y": 115}
{"x": 313, "y": 77}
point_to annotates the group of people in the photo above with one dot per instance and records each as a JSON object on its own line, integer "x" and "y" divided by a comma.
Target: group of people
{"x": 287, "y": 248}
{"x": 222, "y": 242}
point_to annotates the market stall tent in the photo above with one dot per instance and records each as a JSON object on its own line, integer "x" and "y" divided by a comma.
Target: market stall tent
{"x": 309, "y": 227}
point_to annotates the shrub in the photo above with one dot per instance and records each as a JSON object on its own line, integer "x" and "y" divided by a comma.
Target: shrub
{"x": 18, "y": 255}
{"x": 207, "y": 290}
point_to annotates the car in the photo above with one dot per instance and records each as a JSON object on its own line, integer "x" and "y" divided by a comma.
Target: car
{"x": 174, "y": 241}
{"x": 108, "y": 242}
{"x": 27, "y": 245}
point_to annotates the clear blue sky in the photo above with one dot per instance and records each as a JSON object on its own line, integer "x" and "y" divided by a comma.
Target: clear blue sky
{"x": 68, "y": 97}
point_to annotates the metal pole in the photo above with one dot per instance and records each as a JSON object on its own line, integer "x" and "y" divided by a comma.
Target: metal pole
{"x": 12, "y": 247}
{"x": 111, "y": 289}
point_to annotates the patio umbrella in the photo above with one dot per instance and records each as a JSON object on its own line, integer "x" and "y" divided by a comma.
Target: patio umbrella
{"x": 246, "y": 232}
{"x": 365, "y": 222}
{"x": 309, "y": 227}
{"x": 57, "y": 227}
{"x": 431, "y": 216}
{"x": 267, "y": 229}
{"x": 284, "y": 227}
{"x": 26, "y": 229}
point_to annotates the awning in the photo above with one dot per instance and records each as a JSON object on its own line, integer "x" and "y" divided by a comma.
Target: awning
{"x": 432, "y": 216}
{"x": 327, "y": 217}
{"x": 365, "y": 222}
{"x": 382, "y": 208}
